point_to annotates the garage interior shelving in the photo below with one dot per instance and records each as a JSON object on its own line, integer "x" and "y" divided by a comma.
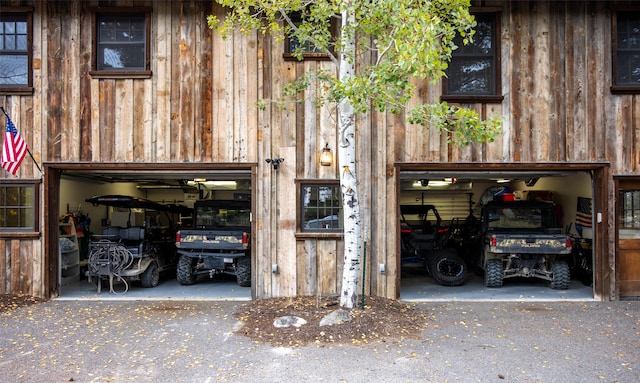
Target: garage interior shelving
{"x": 69, "y": 252}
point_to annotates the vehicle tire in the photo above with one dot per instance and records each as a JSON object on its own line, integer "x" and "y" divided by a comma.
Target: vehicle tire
{"x": 561, "y": 275}
{"x": 151, "y": 276}
{"x": 448, "y": 268}
{"x": 585, "y": 270}
{"x": 587, "y": 276}
{"x": 243, "y": 271}
{"x": 184, "y": 273}
{"x": 493, "y": 273}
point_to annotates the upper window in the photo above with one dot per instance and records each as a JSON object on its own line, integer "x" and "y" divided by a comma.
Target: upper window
{"x": 626, "y": 51}
{"x": 309, "y": 51}
{"x": 474, "y": 71}
{"x": 15, "y": 51}
{"x": 19, "y": 206}
{"x": 320, "y": 207}
{"x": 121, "y": 42}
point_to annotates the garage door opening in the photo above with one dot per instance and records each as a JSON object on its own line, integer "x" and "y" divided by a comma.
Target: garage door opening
{"x": 115, "y": 226}
{"x": 442, "y": 241}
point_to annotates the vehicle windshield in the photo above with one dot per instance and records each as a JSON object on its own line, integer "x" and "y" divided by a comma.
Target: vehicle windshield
{"x": 419, "y": 216}
{"x": 531, "y": 218}
{"x": 208, "y": 216}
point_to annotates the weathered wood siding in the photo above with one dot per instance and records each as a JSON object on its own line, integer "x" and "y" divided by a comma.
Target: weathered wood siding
{"x": 199, "y": 107}
{"x": 557, "y": 107}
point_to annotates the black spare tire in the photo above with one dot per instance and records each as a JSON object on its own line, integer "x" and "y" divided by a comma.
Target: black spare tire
{"x": 448, "y": 268}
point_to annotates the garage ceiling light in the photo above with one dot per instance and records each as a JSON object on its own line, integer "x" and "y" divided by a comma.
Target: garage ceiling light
{"x": 439, "y": 184}
{"x": 479, "y": 174}
{"x": 435, "y": 183}
{"x": 214, "y": 184}
{"x": 139, "y": 176}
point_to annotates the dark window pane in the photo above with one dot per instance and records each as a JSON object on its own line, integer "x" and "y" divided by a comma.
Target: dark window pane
{"x": 12, "y": 218}
{"x": 135, "y": 32}
{"x": 470, "y": 76}
{"x": 26, "y": 197}
{"x": 634, "y": 41}
{"x": 294, "y": 46}
{"x": 121, "y": 57}
{"x": 121, "y": 42}
{"x": 14, "y": 49}
{"x": 17, "y": 208}
{"x": 10, "y": 42}
{"x": 628, "y": 68}
{"x": 21, "y": 43}
{"x": 628, "y": 49}
{"x": 13, "y": 196}
{"x": 472, "y": 69}
{"x": 107, "y": 35}
{"x": 630, "y": 214}
{"x": 321, "y": 208}
{"x": 10, "y": 28}
{"x": 482, "y": 40}
{"x": 21, "y": 28}
{"x": 14, "y": 70}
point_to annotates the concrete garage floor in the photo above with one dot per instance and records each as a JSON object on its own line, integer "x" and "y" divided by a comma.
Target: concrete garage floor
{"x": 221, "y": 287}
{"x": 416, "y": 286}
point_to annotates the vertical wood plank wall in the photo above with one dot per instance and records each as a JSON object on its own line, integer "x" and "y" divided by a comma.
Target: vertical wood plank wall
{"x": 199, "y": 107}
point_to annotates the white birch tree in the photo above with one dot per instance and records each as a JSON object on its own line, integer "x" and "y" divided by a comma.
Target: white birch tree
{"x": 403, "y": 39}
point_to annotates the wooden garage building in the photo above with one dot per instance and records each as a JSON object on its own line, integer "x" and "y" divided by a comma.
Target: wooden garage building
{"x": 562, "y": 78}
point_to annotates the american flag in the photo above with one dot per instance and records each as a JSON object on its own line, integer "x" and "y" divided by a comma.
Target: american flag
{"x": 13, "y": 148}
{"x": 583, "y": 212}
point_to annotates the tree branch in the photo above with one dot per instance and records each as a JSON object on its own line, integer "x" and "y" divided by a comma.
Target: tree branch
{"x": 315, "y": 42}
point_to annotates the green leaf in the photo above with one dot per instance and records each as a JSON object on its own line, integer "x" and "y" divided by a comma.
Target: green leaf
{"x": 407, "y": 38}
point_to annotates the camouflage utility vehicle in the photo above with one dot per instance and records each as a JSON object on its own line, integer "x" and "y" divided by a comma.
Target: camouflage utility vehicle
{"x": 523, "y": 239}
{"x": 219, "y": 242}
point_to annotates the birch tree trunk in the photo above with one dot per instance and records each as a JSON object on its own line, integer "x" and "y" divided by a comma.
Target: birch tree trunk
{"x": 409, "y": 37}
{"x": 348, "y": 176}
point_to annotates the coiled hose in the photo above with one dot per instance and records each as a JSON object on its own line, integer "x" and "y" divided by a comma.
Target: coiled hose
{"x": 109, "y": 259}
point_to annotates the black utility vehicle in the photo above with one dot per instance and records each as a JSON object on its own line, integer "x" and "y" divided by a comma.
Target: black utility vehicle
{"x": 132, "y": 253}
{"x": 425, "y": 241}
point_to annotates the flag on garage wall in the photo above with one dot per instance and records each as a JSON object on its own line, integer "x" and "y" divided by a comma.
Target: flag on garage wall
{"x": 583, "y": 212}
{"x": 14, "y": 149}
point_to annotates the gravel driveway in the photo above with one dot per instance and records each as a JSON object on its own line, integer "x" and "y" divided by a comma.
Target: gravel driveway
{"x": 178, "y": 341}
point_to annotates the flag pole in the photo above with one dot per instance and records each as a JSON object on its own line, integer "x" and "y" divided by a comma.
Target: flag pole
{"x": 28, "y": 151}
